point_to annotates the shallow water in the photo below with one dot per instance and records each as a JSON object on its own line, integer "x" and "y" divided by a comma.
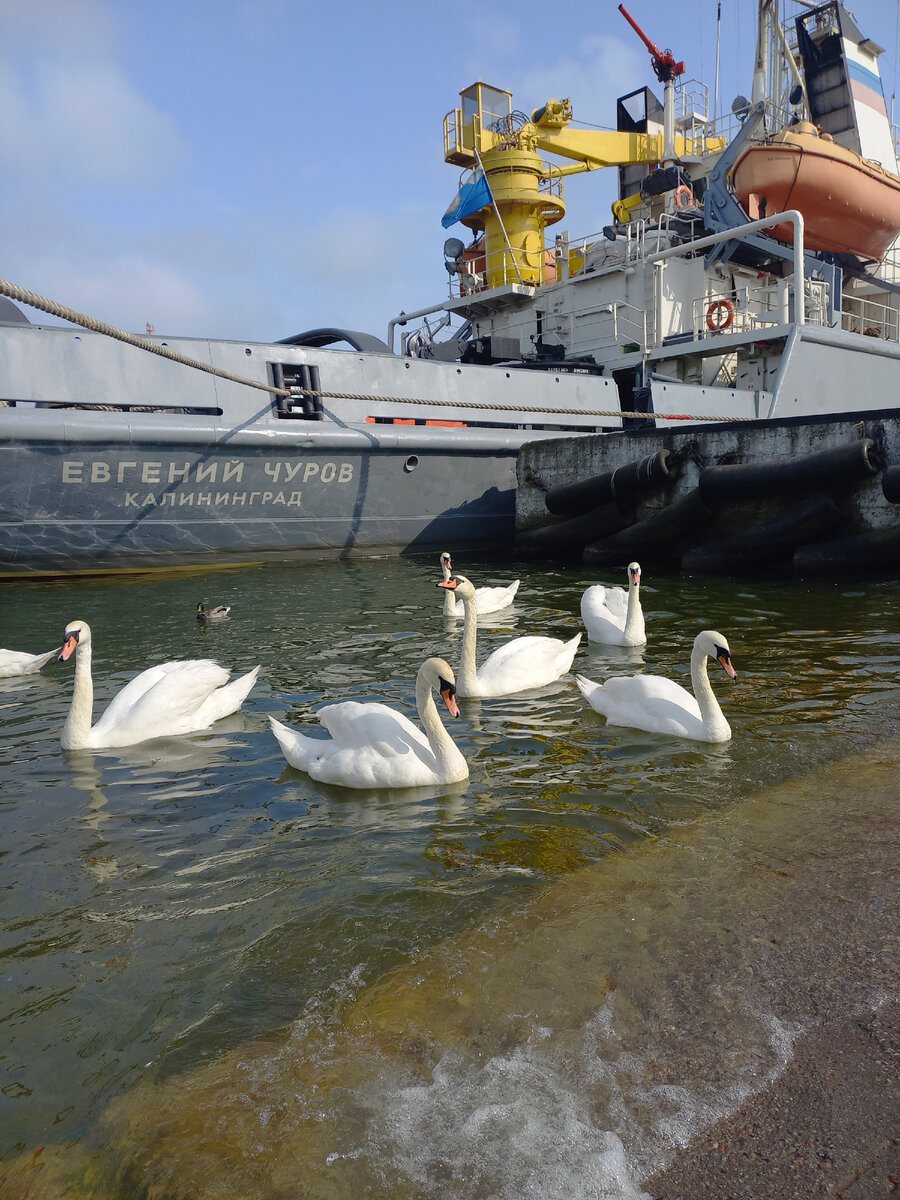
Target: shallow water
{"x": 220, "y": 978}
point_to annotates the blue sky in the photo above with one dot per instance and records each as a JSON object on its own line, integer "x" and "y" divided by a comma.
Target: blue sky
{"x": 252, "y": 168}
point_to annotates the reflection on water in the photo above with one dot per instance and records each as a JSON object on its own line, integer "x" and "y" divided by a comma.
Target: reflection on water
{"x": 223, "y": 979}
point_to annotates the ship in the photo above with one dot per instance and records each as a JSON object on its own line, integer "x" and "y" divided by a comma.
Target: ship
{"x": 715, "y": 297}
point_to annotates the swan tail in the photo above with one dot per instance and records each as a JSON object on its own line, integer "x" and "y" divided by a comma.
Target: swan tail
{"x": 586, "y": 686}
{"x": 229, "y": 698}
{"x": 567, "y": 654}
{"x": 297, "y": 748}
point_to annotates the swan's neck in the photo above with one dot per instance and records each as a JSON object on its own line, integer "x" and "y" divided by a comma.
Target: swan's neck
{"x": 633, "y": 611}
{"x": 77, "y": 729}
{"x": 445, "y": 750}
{"x": 711, "y": 714}
{"x": 449, "y": 598}
{"x": 468, "y": 668}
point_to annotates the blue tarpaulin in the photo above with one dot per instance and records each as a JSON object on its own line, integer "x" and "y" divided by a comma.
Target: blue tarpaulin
{"x": 474, "y": 193}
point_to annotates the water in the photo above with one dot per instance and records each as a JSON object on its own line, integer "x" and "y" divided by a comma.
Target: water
{"x": 222, "y": 979}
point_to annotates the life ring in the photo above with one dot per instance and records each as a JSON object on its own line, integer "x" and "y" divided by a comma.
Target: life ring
{"x": 720, "y": 316}
{"x": 684, "y": 197}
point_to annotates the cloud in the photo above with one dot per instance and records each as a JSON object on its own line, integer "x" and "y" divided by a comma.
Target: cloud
{"x": 603, "y": 69}
{"x": 69, "y": 115}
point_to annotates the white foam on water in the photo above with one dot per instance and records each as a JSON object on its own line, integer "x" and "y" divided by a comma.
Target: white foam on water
{"x": 566, "y": 1114}
{"x": 510, "y": 1129}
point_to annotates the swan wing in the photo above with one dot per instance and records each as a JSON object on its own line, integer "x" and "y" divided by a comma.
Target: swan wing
{"x": 613, "y": 601}
{"x": 371, "y": 746}
{"x": 526, "y": 662}
{"x": 161, "y": 701}
{"x": 225, "y": 700}
{"x": 19, "y": 662}
{"x": 603, "y": 611}
{"x": 650, "y": 702}
{"x": 492, "y": 599}
{"x": 356, "y": 725}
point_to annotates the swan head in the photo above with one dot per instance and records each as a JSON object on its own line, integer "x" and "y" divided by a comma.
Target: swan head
{"x": 716, "y": 646}
{"x": 445, "y": 560}
{"x": 634, "y": 573}
{"x": 459, "y": 584}
{"x": 77, "y": 632}
{"x": 438, "y": 674}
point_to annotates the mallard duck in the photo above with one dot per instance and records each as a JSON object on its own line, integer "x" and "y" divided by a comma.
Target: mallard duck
{"x": 219, "y": 613}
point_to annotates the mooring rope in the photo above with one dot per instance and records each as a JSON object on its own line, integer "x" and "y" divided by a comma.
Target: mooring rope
{"x": 33, "y": 300}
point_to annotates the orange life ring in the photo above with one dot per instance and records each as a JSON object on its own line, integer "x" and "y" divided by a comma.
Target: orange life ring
{"x": 720, "y": 316}
{"x": 684, "y": 197}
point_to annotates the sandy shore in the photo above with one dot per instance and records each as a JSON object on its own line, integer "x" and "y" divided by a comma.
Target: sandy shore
{"x": 828, "y": 1126}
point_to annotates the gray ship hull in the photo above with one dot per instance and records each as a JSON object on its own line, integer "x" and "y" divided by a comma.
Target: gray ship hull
{"x": 94, "y": 506}
{"x": 111, "y": 459}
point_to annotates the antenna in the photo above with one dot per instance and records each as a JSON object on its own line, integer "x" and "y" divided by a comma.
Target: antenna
{"x": 718, "y": 44}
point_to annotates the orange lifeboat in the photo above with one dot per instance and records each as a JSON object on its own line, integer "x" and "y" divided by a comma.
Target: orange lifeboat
{"x": 849, "y": 204}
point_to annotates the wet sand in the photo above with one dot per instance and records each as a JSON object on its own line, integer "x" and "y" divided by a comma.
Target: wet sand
{"x": 829, "y": 1125}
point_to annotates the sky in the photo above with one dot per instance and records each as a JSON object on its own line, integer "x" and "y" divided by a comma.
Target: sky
{"x": 249, "y": 169}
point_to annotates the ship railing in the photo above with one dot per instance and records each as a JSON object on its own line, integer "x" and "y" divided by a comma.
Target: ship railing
{"x": 755, "y": 309}
{"x": 603, "y": 329}
{"x": 693, "y": 119}
{"x": 869, "y": 317}
{"x": 551, "y": 182}
{"x": 889, "y": 267}
{"x": 599, "y": 253}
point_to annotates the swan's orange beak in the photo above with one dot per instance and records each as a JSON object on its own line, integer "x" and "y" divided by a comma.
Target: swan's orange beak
{"x": 635, "y": 577}
{"x": 449, "y": 584}
{"x": 725, "y": 659}
{"x": 68, "y": 647}
{"x": 448, "y": 695}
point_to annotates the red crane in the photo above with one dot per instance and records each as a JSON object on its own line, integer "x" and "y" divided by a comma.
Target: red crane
{"x": 664, "y": 65}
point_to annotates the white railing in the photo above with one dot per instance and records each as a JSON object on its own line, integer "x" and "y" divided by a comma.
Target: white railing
{"x": 756, "y": 309}
{"x": 869, "y": 317}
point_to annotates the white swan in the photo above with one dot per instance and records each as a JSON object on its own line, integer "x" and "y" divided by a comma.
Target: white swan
{"x": 17, "y": 662}
{"x": 613, "y": 617}
{"x": 373, "y": 746}
{"x": 490, "y": 599}
{"x": 163, "y": 701}
{"x": 660, "y": 705}
{"x": 525, "y": 662}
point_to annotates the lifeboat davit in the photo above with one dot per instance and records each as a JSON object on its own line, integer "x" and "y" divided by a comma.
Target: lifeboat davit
{"x": 849, "y": 204}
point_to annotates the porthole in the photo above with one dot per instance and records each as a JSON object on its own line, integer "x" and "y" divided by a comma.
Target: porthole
{"x": 411, "y": 463}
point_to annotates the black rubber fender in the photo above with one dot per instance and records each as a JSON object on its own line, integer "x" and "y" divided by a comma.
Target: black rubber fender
{"x": 624, "y": 483}
{"x": 662, "y": 535}
{"x": 770, "y": 542}
{"x": 834, "y": 468}
{"x": 890, "y": 484}
{"x": 565, "y": 538}
{"x": 873, "y": 554}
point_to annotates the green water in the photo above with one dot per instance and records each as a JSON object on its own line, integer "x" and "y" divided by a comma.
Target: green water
{"x": 220, "y": 978}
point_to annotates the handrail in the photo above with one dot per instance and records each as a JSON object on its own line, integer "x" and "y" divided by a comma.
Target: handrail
{"x": 726, "y": 235}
